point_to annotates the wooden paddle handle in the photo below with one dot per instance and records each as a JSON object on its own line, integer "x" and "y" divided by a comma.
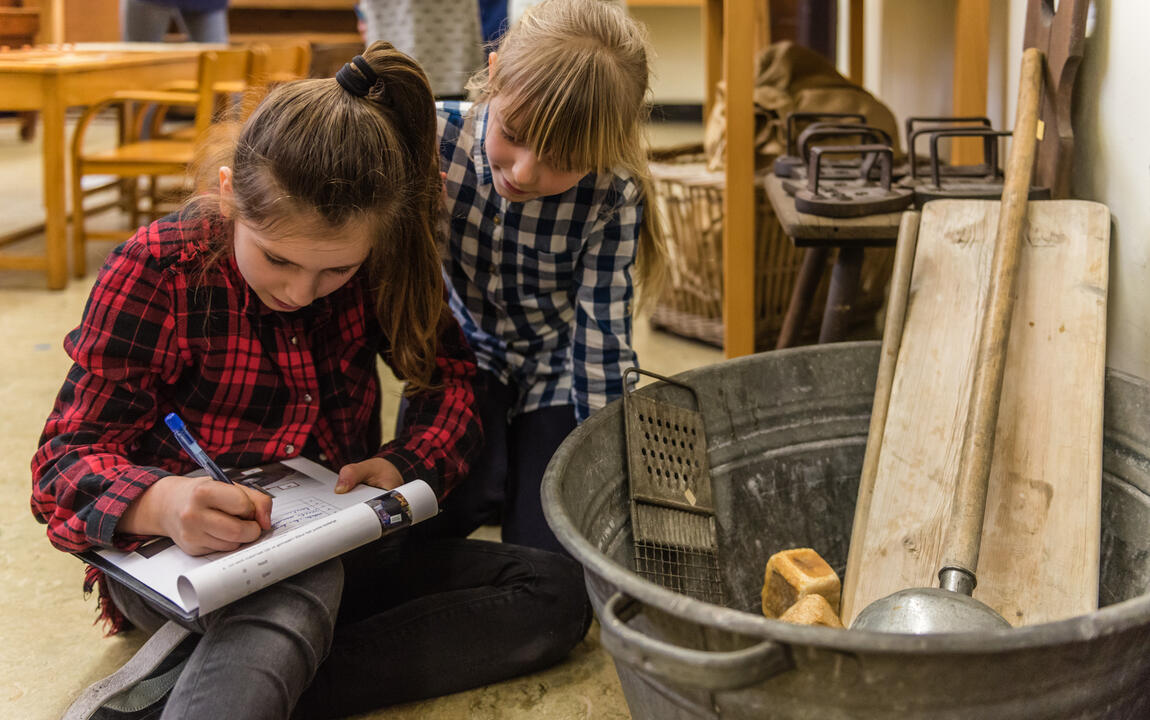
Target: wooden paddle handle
{"x": 891, "y": 341}
{"x": 964, "y": 529}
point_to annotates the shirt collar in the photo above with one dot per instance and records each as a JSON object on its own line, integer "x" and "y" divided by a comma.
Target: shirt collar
{"x": 479, "y": 150}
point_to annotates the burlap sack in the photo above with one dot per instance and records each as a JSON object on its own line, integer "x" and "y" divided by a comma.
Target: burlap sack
{"x": 791, "y": 78}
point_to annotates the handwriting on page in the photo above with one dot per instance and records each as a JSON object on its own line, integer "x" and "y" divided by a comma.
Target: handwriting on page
{"x": 303, "y": 510}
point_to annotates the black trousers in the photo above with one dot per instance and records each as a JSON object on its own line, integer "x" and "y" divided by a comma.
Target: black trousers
{"x": 423, "y": 620}
{"x": 395, "y": 621}
{"x": 504, "y": 484}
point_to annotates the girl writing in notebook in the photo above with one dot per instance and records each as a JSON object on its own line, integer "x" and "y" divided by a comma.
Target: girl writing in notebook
{"x": 257, "y": 314}
{"x": 550, "y": 226}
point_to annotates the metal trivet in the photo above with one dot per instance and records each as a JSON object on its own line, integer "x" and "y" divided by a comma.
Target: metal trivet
{"x": 672, "y": 508}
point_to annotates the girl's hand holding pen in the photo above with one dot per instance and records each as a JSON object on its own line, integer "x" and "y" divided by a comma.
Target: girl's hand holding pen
{"x": 199, "y": 514}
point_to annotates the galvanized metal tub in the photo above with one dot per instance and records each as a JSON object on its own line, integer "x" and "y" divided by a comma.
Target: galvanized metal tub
{"x": 786, "y": 433}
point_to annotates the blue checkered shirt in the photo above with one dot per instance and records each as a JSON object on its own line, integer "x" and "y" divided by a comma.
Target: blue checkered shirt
{"x": 542, "y": 288}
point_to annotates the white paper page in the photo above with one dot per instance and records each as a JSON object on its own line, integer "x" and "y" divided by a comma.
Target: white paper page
{"x": 256, "y": 566}
{"x": 302, "y": 492}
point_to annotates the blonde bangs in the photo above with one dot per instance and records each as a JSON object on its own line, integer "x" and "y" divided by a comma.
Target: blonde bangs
{"x": 560, "y": 107}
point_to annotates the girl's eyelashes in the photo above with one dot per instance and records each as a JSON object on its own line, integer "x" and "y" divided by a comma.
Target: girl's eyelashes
{"x": 280, "y": 262}
{"x": 509, "y": 137}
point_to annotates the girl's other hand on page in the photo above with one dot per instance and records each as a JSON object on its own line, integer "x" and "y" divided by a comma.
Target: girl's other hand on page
{"x": 376, "y": 472}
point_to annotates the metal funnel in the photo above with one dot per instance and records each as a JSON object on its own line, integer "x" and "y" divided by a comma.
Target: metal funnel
{"x": 927, "y": 611}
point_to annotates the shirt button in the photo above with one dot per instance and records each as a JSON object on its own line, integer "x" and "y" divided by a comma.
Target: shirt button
{"x": 289, "y": 448}
{"x": 307, "y": 397}
{"x": 294, "y": 340}
{"x": 495, "y": 219}
{"x": 493, "y": 268}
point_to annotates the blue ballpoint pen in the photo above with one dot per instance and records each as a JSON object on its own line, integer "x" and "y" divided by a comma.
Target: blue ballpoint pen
{"x": 193, "y": 449}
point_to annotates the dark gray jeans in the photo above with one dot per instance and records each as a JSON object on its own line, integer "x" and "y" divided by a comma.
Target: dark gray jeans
{"x": 392, "y": 622}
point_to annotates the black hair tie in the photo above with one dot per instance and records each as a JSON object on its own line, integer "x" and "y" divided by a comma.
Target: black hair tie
{"x": 352, "y": 81}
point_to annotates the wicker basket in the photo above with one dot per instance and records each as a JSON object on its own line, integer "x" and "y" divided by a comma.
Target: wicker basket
{"x": 691, "y": 200}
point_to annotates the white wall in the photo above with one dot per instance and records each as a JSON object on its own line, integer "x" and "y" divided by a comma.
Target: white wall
{"x": 677, "y": 39}
{"x": 908, "y": 55}
{"x": 1111, "y": 122}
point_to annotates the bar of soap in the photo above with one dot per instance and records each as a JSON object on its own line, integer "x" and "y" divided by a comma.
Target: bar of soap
{"x": 812, "y": 610}
{"x": 792, "y": 575}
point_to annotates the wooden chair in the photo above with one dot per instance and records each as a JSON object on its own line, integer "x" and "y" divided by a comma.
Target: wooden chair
{"x": 230, "y": 89}
{"x": 273, "y": 64}
{"x": 148, "y": 157}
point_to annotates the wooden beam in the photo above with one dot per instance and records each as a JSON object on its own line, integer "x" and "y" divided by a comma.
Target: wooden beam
{"x": 855, "y": 31}
{"x": 739, "y": 194}
{"x": 761, "y": 16}
{"x": 712, "y": 52}
{"x": 971, "y": 58}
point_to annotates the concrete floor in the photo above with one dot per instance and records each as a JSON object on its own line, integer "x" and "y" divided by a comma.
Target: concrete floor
{"x": 51, "y": 649}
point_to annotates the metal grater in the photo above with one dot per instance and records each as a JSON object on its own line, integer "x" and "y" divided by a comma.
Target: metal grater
{"x": 672, "y": 510}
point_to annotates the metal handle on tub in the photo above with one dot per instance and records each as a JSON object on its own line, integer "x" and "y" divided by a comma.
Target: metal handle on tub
{"x": 711, "y": 670}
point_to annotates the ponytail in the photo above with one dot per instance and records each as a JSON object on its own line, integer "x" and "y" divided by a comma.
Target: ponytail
{"x": 409, "y": 283}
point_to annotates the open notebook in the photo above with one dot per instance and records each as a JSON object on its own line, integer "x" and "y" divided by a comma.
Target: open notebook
{"x": 310, "y": 524}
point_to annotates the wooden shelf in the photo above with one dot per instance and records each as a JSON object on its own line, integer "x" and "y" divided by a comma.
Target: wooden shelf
{"x": 665, "y": 3}
{"x": 292, "y": 35}
{"x": 305, "y": 18}
{"x": 15, "y": 22}
{"x": 298, "y": 5}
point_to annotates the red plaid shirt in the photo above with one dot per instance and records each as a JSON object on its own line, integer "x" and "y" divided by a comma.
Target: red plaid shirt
{"x": 252, "y": 385}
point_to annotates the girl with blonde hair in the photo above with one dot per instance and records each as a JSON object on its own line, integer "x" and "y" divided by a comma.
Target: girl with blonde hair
{"x": 258, "y": 315}
{"x": 551, "y": 226}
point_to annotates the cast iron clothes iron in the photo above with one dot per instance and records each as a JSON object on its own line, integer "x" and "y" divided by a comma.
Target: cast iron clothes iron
{"x": 835, "y": 134}
{"x": 951, "y": 607}
{"x": 918, "y": 126}
{"x": 791, "y": 161}
{"x": 852, "y": 198}
{"x": 831, "y": 135}
{"x": 985, "y": 186}
{"x": 672, "y": 509}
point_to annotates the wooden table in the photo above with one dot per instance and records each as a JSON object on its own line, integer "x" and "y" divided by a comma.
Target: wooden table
{"x": 51, "y": 80}
{"x": 818, "y": 235}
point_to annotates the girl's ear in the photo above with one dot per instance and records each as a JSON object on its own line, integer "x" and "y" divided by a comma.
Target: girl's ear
{"x": 226, "y": 193}
{"x": 491, "y": 59}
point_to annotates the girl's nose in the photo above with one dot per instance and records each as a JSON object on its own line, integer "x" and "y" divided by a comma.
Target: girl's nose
{"x": 525, "y": 170}
{"x": 303, "y": 289}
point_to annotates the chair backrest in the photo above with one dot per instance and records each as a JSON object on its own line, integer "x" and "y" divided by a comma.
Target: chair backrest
{"x": 18, "y": 24}
{"x": 222, "y": 75}
{"x": 273, "y": 64}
